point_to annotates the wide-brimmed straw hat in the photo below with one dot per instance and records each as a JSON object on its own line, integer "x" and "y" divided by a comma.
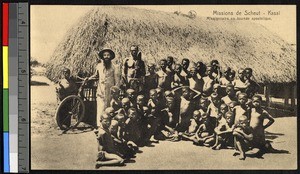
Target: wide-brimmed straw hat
{"x": 100, "y": 54}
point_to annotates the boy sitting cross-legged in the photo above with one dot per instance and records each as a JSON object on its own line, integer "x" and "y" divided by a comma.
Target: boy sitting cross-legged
{"x": 107, "y": 154}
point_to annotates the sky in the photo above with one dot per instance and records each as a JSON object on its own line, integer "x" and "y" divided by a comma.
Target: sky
{"x": 49, "y": 23}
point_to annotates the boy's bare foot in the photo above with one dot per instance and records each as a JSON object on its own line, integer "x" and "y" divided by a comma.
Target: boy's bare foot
{"x": 206, "y": 145}
{"x": 152, "y": 139}
{"x": 242, "y": 157}
{"x": 98, "y": 165}
{"x": 122, "y": 162}
{"x": 214, "y": 147}
{"x": 235, "y": 154}
{"x": 218, "y": 147}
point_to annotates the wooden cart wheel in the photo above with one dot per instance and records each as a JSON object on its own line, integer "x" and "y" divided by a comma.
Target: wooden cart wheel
{"x": 70, "y": 112}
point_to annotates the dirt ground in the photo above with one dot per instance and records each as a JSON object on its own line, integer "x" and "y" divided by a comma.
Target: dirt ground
{"x": 77, "y": 150}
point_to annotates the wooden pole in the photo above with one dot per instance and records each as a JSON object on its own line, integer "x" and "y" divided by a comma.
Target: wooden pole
{"x": 293, "y": 96}
{"x": 286, "y": 96}
{"x": 267, "y": 94}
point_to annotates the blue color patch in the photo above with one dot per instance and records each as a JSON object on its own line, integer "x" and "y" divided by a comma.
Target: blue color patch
{"x": 6, "y": 152}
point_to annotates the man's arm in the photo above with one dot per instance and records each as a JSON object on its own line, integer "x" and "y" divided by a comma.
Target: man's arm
{"x": 270, "y": 118}
{"x": 198, "y": 93}
{"x": 95, "y": 76}
{"x": 143, "y": 69}
{"x": 125, "y": 69}
{"x": 248, "y": 137}
{"x": 100, "y": 141}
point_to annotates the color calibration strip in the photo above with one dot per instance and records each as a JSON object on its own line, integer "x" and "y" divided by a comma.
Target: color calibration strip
{"x": 15, "y": 60}
{"x": 5, "y": 29}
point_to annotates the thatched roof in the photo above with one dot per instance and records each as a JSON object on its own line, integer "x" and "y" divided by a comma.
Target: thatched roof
{"x": 235, "y": 44}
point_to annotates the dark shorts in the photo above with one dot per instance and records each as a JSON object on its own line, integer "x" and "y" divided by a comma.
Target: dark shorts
{"x": 101, "y": 156}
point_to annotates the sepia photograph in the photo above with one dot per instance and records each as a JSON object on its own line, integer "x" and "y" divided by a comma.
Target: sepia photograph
{"x": 163, "y": 87}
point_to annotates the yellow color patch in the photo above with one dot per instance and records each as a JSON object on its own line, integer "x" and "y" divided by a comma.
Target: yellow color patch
{"x": 5, "y": 66}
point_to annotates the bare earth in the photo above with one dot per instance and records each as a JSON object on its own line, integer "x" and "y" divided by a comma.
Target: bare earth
{"x": 77, "y": 150}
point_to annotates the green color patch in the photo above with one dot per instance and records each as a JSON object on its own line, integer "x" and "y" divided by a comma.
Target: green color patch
{"x": 5, "y": 110}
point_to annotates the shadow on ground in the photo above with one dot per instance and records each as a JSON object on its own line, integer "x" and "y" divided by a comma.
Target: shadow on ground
{"x": 272, "y": 136}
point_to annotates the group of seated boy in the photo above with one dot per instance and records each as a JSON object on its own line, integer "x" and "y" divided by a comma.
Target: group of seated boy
{"x": 211, "y": 110}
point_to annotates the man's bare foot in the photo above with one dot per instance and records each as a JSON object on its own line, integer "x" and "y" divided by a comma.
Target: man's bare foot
{"x": 242, "y": 157}
{"x": 98, "y": 165}
{"x": 206, "y": 145}
{"x": 152, "y": 139}
{"x": 218, "y": 147}
{"x": 236, "y": 153}
{"x": 122, "y": 162}
{"x": 214, "y": 147}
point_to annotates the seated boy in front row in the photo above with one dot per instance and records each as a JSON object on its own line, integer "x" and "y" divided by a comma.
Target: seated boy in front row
{"x": 121, "y": 146}
{"x": 204, "y": 135}
{"x": 243, "y": 136}
{"x": 133, "y": 125}
{"x": 224, "y": 131}
{"x": 107, "y": 154}
{"x": 194, "y": 125}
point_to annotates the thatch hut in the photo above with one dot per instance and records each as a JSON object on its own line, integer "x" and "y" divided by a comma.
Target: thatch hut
{"x": 159, "y": 34}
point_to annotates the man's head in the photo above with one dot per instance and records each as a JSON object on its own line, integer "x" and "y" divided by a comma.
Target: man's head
{"x": 169, "y": 94}
{"x": 193, "y": 72}
{"x": 216, "y": 88}
{"x": 209, "y": 70}
{"x": 106, "y": 55}
{"x": 159, "y": 92}
{"x": 163, "y": 63}
{"x": 170, "y": 102}
{"x": 232, "y": 104}
{"x": 153, "y": 94}
{"x": 215, "y": 98}
{"x": 230, "y": 89}
{"x": 248, "y": 73}
{"x": 204, "y": 102}
{"x": 229, "y": 117}
{"x": 115, "y": 91}
{"x": 130, "y": 94}
{"x": 170, "y": 61}
{"x": 110, "y": 111}
{"x": 140, "y": 100}
{"x": 214, "y": 63}
{"x": 242, "y": 98}
{"x": 241, "y": 73}
{"x": 185, "y": 92}
{"x": 256, "y": 101}
{"x": 105, "y": 121}
{"x": 231, "y": 75}
{"x": 196, "y": 115}
{"x": 134, "y": 49}
{"x": 132, "y": 113}
{"x": 223, "y": 108}
{"x": 243, "y": 121}
{"x": 177, "y": 68}
{"x": 151, "y": 68}
{"x": 125, "y": 103}
{"x": 113, "y": 128}
{"x": 185, "y": 63}
{"x": 66, "y": 73}
{"x": 200, "y": 65}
